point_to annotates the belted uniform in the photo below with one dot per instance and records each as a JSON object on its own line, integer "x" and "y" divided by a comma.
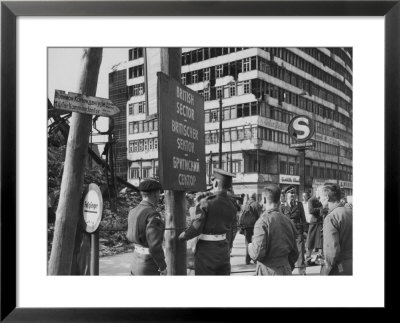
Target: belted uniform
{"x": 295, "y": 212}
{"x": 214, "y": 218}
{"x": 146, "y": 231}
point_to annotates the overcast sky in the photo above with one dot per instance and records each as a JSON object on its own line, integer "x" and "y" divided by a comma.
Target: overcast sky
{"x": 64, "y": 69}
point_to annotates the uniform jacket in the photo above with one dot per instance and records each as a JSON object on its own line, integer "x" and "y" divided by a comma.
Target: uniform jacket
{"x": 314, "y": 208}
{"x": 296, "y": 214}
{"x": 274, "y": 240}
{"x": 338, "y": 236}
{"x": 215, "y": 214}
{"x": 146, "y": 228}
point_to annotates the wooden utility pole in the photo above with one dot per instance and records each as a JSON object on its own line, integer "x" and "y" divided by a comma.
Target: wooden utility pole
{"x": 220, "y": 133}
{"x": 67, "y": 215}
{"x": 175, "y": 201}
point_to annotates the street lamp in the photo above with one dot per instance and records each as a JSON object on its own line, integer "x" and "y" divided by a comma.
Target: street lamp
{"x": 210, "y": 161}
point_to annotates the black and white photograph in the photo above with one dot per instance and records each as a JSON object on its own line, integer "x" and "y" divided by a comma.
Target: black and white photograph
{"x": 200, "y": 161}
{"x": 159, "y": 156}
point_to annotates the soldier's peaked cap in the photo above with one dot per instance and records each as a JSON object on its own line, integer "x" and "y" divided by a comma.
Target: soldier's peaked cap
{"x": 223, "y": 176}
{"x": 149, "y": 185}
{"x": 289, "y": 189}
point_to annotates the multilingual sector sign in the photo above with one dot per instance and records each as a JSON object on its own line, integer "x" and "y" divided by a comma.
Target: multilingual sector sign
{"x": 181, "y": 148}
{"x": 76, "y": 102}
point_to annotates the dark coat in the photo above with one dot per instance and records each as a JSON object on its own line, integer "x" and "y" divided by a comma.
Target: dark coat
{"x": 146, "y": 228}
{"x": 314, "y": 237}
{"x": 338, "y": 240}
{"x": 296, "y": 214}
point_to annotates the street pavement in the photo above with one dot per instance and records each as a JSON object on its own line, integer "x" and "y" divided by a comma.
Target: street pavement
{"x": 119, "y": 265}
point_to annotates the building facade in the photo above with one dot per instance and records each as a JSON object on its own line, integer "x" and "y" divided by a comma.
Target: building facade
{"x": 260, "y": 91}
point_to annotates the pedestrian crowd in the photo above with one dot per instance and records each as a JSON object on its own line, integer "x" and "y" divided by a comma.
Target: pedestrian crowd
{"x": 282, "y": 234}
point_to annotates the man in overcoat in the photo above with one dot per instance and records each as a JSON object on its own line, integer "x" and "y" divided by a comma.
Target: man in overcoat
{"x": 214, "y": 218}
{"x": 294, "y": 210}
{"x": 146, "y": 231}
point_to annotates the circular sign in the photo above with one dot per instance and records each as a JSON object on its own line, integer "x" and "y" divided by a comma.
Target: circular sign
{"x": 92, "y": 208}
{"x": 301, "y": 128}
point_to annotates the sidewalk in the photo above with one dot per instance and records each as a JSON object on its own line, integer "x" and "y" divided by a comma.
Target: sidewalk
{"x": 119, "y": 265}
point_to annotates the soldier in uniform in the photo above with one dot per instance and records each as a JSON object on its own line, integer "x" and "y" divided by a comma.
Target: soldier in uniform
{"x": 146, "y": 231}
{"x": 215, "y": 216}
{"x": 294, "y": 210}
{"x": 274, "y": 244}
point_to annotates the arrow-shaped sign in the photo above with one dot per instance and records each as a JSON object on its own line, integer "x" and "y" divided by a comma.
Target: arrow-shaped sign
{"x": 76, "y": 102}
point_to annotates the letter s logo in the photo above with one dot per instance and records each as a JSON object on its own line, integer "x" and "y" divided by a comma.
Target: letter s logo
{"x": 302, "y": 130}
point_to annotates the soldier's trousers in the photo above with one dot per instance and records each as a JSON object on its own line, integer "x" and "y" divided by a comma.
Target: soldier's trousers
{"x": 301, "y": 248}
{"x": 143, "y": 265}
{"x": 212, "y": 258}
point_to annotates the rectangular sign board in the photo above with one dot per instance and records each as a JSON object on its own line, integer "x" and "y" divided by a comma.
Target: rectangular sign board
{"x": 76, "y": 102}
{"x": 182, "y": 165}
{"x": 302, "y": 145}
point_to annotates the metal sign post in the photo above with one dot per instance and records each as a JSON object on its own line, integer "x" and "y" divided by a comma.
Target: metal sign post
{"x": 301, "y": 129}
{"x": 92, "y": 210}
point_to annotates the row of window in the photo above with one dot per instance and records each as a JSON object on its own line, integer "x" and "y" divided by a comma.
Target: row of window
{"x": 135, "y": 90}
{"x": 203, "y": 54}
{"x": 289, "y": 77}
{"x": 233, "y": 68}
{"x": 136, "y": 71}
{"x": 326, "y": 170}
{"x": 142, "y": 126}
{"x": 137, "y": 107}
{"x": 135, "y": 53}
{"x": 272, "y": 69}
{"x": 143, "y": 145}
{"x": 304, "y": 65}
{"x": 263, "y": 133}
{"x": 146, "y": 172}
{"x": 270, "y": 112}
{"x": 226, "y": 165}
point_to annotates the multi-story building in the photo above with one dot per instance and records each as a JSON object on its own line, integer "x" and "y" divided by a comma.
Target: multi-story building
{"x": 261, "y": 90}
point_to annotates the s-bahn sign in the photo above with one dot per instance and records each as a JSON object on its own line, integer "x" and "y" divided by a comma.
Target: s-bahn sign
{"x": 301, "y": 128}
{"x": 92, "y": 208}
{"x": 76, "y": 102}
{"x": 181, "y": 148}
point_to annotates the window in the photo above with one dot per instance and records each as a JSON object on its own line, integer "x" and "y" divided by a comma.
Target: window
{"x": 146, "y": 144}
{"x": 207, "y": 74}
{"x": 146, "y": 172}
{"x": 183, "y": 79}
{"x": 135, "y": 53}
{"x": 206, "y": 94}
{"x": 136, "y": 71}
{"x": 246, "y": 87}
{"x": 135, "y": 127}
{"x": 151, "y": 144}
{"x": 219, "y": 92}
{"x": 134, "y": 172}
{"x": 130, "y": 127}
{"x": 155, "y": 143}
{"x": 246, "y": 64}
{"x": 195, "y": 77}
{"x": 232, "y": 90}
{"x": 135, "y": 146}
{"x": 142, "y": 106}
{"x": 140, "y": 145}
{"x": 219, "y": 70}
{"x": 236, "y": 166}
{"x": 291, "y": 169}
{"x": 130, "y": 108}
{"x": 131, "y": 145}
{"x": 282, "y": 167}
{"x": 145, "y": 126}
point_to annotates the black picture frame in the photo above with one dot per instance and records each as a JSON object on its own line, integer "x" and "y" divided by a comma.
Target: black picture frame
{"x": 10, "y": 10}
